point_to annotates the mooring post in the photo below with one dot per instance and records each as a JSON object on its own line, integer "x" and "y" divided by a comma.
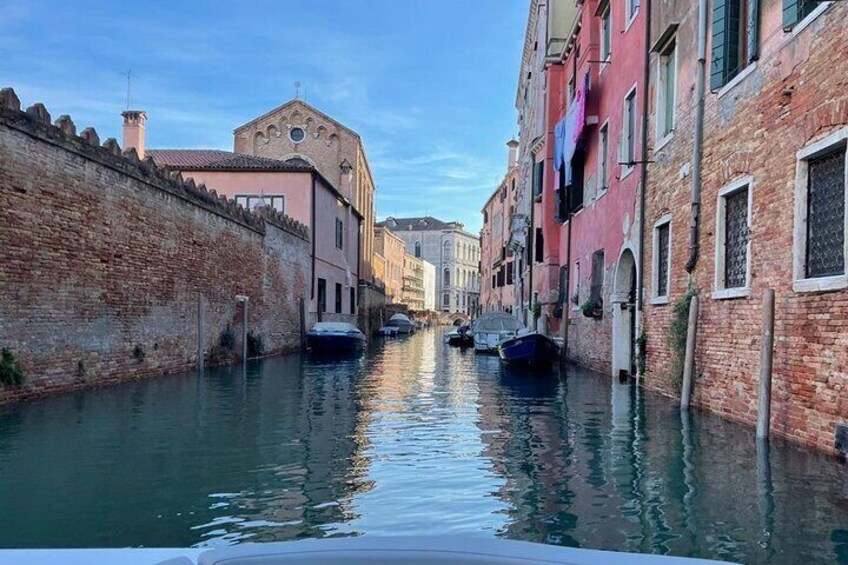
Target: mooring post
{"x": 244, "y": 300}
{"x": 766, "y": 361}
{"x": 201, "y": 323}
{"x": 689, "y": 364}
{"x": 302, "y": 308}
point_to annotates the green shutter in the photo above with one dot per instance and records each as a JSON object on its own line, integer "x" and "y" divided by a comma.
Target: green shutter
{"x": 790, "y": 13}
{"x": 724, "y": 62}
{"x": 753, "y": 30}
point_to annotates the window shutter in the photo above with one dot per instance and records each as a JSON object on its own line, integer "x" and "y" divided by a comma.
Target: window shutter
{"x": 753, "y": 28}
{"x": 790, "y": 13}
{"x": 718, "y": 58}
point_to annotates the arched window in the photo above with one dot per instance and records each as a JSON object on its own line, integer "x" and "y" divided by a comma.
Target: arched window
{"x": 446, "y": 251}
{"x": 446, "y": 278}
{"x": 418, "y": 249}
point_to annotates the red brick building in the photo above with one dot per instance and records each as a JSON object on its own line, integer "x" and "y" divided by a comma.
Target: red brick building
{"x": 769, "y": 203}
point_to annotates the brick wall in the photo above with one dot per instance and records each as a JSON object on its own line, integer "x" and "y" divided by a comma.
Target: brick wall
{"x": 796, "y": 94}
{"x": 103, "y": 258}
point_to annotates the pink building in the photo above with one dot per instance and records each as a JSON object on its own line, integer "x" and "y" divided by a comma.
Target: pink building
{"x": 298, "y": 190}
{"x": 591, "y": 228}
{"x": 498, "y": 263}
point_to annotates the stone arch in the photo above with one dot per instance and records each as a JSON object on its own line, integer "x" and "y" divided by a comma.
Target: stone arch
{"x": 321, "y": 131}
{"x": 300, "y": 157}
{"x": 273, "y": 131}
{"x": 295, "y": 116}
{"x": 332, "y": 140}
{"x": 624, "y": 310}
{"x": 258, "y": 139}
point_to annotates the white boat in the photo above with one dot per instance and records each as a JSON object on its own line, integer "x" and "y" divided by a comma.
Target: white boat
{"x": 388, "y": 331}
{"x": 491, "y": 329}
{"x": 350, "y": 551}
{"x": 334, "y": 337}
{"x": 402, "y": 323}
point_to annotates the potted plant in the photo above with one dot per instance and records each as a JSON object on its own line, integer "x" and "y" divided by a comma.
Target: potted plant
{"x": 593, "y": 308}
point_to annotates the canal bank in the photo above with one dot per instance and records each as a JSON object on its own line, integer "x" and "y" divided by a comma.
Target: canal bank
{"x": 412, "y": 438}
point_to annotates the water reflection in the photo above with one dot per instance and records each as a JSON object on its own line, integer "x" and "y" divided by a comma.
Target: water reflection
{"x": 413, "y": 437}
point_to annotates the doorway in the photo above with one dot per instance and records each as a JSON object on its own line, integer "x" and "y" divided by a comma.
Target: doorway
{"x": 624, "y": 317}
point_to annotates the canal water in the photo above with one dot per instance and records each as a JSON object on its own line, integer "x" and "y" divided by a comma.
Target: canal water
{"x": 412, "y": 438}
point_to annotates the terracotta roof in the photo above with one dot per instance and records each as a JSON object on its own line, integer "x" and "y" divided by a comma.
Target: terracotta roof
{"x": 217, "y": 160}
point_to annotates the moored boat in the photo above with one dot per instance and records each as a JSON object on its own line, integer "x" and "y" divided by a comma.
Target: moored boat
{"x": 532, "y": 348}
{"x": 388, "y": 331}
{"x": 460, "y": 337}
{"x": 334, "y": 337}
{"x": 491, "y": 329}
{"x": 402, "y": 323}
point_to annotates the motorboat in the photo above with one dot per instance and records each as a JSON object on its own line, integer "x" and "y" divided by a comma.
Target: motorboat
{"x": 371, "y": 550}
{"x": 402, "y": 323}
{"x": 334, "y": 337}
{"x": 529, "y": 348}
{"x": 460, "y": 336}
{"x": 388, "y": 331}
{"x": 492, "y": 328}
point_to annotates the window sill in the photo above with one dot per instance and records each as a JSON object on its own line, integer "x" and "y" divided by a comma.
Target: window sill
{"x": 537, "y": 198}
{"x": 625, "y": 172}
{"x": 601, "y": 193}
{"x": 604, "y": 66}
{"x": 630, "y": 20}
{"x": 824, "y": 284}
{"x": 659, "y": 300}
{"x": 734, "y": 82}
{"x": 664, "y": 141}
{"x": 729, "y": 293}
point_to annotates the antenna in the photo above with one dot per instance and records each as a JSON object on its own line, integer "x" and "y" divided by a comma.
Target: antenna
{"x": 297, "y": 86}
{"x": 129, "y": 80}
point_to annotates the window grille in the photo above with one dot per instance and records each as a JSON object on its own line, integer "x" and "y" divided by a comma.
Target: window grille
{"x": 662, "y": 259}
{"x": 826, "y": 215}
{"x": 736, "y": 240}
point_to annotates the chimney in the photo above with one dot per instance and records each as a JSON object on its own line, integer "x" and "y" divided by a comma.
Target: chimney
{"x": 513, "y": 152}
{"x": 134, "y": 130}
{"x": 347, "y": 178}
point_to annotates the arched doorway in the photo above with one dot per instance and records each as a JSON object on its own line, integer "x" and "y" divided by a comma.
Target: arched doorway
{"x": 624, "y": 316}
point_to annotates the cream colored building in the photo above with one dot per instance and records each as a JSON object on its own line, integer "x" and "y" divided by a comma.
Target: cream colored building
{"x": 413, "y": 283}
{"x": 298, "y": 133}
{"x": 429, "y": 286}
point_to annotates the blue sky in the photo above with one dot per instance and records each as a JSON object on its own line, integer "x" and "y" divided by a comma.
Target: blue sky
{"x": 429, "y": 84}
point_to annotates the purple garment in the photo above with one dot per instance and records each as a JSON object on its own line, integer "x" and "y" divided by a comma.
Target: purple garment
{"x": 559, "y": 139}
{"x": 575, "y": 121}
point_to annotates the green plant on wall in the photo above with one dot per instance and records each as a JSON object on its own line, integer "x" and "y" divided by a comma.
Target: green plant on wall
{"x": 592, "y": 308}
{"x": 11, "y": 373}
{"x": 677, "y": 331}
{"x": 227, "y": 339}
{"x": 536, "y": 309}
{"x": 255, "y": 344}
{"x": 641, "y": 348}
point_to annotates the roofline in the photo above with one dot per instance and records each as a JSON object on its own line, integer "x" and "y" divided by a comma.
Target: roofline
{"x": 304, "y": 170}
{"x": 531, "y": 18}
{"x": 289, "y": 103}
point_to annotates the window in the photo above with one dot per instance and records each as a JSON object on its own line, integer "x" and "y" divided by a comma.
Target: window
{"x": 510, "y": 273}
{"x": 572, "y": 89}
{"x": 418, "y": 249}
{"x": 662, "y": 259}
{"x": 576, "y": 294}
{"x": 494, "y": 280}
{"x": 603, "y": 158}
{"x": 667, "y": 90}
{"x": 735, "y": 39}
{"x": 446, "y": 278}
{"x": 254, "y": 201}
{"x": 446, "y": 299}
{"x": 628, "y": 131}
{"x": 538, "y": 177}
{"x": 820, "y": 225}
{"x": 322, "y": 295}
{"x": 339, "y": 233}
{"x": 606, "y": 33}
{"x": 733, "y": 241}
{"x": 631, "y": 7}
{"x": 796, "y": 10}
{"x": 352, "y": 300}
{"x": 446, "y": 248}
{"x": 597, "y": 290}
{"x": 540, "y": 246}
{"x": 338, "y": 298}
{"x": 297, "y": 134}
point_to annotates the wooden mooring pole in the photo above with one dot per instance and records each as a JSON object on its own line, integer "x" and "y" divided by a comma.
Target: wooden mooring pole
{"x": 302, "y": 308}
{"x": 201, "y": 323}
{"x": 766, "y": 362}
{"x": 689, "y": 363}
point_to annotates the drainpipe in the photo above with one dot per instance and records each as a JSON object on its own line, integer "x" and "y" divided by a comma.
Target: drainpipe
{"x": 644, "y": 180}
{"x": 698, "y": 152}
{"x": 312, "y": 286}
{"x": 531, "y": 250}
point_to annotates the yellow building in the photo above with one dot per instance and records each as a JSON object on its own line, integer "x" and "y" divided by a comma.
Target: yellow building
{"x": 412, "y": 294}
{"x": 392, "y": 248}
